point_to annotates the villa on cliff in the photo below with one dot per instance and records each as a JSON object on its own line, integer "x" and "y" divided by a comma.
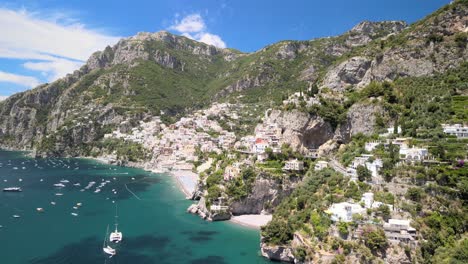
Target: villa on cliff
{"x": 458, "y": 130}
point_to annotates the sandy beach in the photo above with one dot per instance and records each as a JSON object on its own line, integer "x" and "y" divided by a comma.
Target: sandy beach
{"x": 251, "y": 221}
{"x": 187, "y": 180}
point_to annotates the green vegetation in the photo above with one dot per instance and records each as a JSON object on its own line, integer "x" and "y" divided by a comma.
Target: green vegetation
{"x": 125, "y": 150}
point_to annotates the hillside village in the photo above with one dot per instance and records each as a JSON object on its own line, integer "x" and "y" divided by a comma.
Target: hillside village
{"x": 347, "y": 149}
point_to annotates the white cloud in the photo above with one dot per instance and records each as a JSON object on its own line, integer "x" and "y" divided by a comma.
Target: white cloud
{"x": 212, "y": 39}
{"x": 193, "y": 26}
{"x": 53, "y": 69}
{"x": 189, "y": 24}
{"x": 58, "y": 44}
{"x": 18, "y": 79}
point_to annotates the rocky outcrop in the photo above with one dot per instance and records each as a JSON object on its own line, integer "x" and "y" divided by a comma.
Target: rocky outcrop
{"x": 277, "y": 253}
{"x": 367, "y": 31}
{"x": 426, "y": 48}
{"x": 348, "y": 73}
{"x": 359, "y": 119}
{"x": 266, "y": 194}
{"x": 201, "y": 210}
{"x": 246, "y": 82}
{"x": 301, "y": 130}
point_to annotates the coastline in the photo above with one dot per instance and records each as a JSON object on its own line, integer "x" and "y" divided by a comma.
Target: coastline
{"x": 253, "y": 221}
{"x": 186, "y": 181}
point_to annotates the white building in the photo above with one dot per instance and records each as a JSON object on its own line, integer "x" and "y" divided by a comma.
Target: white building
{"x": 368, "y": 200}
{"x": 320, "y": 165}
{"x": 458, "y": 130}
{"x": 413, "y": 154}
{"x": 260, "y": 146}
{"x": 344, "y": 211}
{"x": 294, "y": 165}
{"x": 370, "y": 146}
{"x": 397, "y": 230}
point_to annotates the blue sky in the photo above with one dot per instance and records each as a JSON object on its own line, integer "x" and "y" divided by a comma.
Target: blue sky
{"x": 43, "y": 40}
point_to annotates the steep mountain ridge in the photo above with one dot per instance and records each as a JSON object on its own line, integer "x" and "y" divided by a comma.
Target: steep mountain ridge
{"x": 160, "y": 73}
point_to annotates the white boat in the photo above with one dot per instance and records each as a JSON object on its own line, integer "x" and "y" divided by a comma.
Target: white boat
{"x": 74, "y": 207}
{"x": 52, "y": 203}
{"x": 116, "y": 236}
{"x": 97, "y": 190}
{"x": 79, "y": 204}
{"x": 16, "y": 216}
{"x": 59, "y": 185}
{"x": 40, "y": 210}
{"x": 59, "y": 194}
{"x": 77, "y": 184}
{"x": 74, "y": 214}
{"x": 13, "y": 189}
{"x": 106, "y": 248}
{"x": 64, "y": 181}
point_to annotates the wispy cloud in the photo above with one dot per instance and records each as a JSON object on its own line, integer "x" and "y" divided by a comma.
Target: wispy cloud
{"x": 52, "y": 44}
{"x": 22, "y": 80}
{"x": 193, "y": 26}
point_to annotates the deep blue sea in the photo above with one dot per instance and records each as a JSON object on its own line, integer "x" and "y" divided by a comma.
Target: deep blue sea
{"x": 155, "y": 226}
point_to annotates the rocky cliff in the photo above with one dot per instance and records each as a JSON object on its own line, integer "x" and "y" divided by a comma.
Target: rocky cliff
{"x": 432, "y": 45}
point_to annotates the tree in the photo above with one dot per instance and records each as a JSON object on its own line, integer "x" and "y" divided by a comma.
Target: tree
{"x": 363, "y": 173}
{"x": 414, "y": 194}
{"x": 277, "y": 232}
{"x": 374, "y": 238}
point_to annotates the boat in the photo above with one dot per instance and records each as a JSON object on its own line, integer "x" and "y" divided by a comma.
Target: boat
{"x": 16, "y": 216}
{"x": 64, "y": 181}
{"x": 60, "y": 185}
{"x": 97, "y": 190}
{"x": 13, "y": 189}
{"x": 40, "y": 210}
{"x": 77, "y": 184}
{"x": 115, "y": 236}
{"x": 74, "y": 214}
{"x": 106, "y": 248}
{"x": 52, "y": 203}
{"x": 79, "y": 204}
{"x": 59, "y": 194}
{"x": 74, "y": 207}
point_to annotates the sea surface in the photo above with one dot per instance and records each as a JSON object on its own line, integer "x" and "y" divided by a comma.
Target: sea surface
{"x": 150, "y": 208}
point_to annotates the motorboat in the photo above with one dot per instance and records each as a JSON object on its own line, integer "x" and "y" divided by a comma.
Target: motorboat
{"x": 59, "y": 185}
{"x": 40, "y": 210}
{"x": 13, "y": 189}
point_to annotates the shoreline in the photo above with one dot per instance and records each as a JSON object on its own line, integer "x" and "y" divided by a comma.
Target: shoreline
{"x": 186, "y": 182}
{"x": 251, "y": 221}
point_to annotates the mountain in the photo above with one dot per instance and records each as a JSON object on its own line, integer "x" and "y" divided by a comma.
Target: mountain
{"x": 157, "y": 100}
{"x": 152, "y": 73}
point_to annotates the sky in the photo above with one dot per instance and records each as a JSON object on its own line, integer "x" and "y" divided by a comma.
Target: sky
{"x": 43, "y": 40}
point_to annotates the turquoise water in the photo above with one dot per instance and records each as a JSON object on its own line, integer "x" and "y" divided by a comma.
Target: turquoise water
{"x": 155, "y": 227}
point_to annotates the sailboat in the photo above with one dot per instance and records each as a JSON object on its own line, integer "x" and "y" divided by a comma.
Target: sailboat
{"x": 106, "y": 248}
{"x": 115, "y": 236}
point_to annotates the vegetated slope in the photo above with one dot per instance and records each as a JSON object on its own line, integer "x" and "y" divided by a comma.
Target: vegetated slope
{"x": 162, "y": 74}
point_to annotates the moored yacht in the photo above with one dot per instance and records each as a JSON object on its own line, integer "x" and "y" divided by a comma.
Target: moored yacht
{"x": 13, "y": 189}
{"x": 116, "y": 236}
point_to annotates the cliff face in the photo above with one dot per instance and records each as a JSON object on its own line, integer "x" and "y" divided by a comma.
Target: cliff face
{"x": 422, "y": 49}
{"x": 266, "y": 194}
{"x": 301, "y": 130}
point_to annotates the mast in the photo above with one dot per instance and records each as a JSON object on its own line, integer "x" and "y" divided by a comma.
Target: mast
{"x": 116, "y": 216}
{"x": 105, "y": 237}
